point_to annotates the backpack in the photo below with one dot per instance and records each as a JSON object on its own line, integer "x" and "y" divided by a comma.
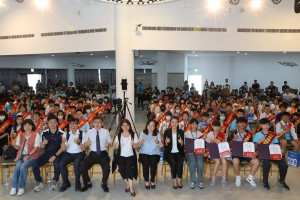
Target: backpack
{"x": 80, "y": 135}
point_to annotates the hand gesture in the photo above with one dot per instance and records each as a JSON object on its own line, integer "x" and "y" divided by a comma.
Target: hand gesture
{"x": 63, "y": 139}
{"x": 13, "y": 143}
{"x": 144, "y": 138}
{"x": 106, "y": 144}
{"x": 261, "y": 140}
{"x": 132, "y": 142}
{"x": 167, "y": 140}
{"x": 76, "y": 140}
{"x": 284, "y": 128}
{"x": 88, "y": 142}
{"x": 116, "y": 145}
{"x": 235, "y": 137}
{"x": 45, "y": 141}
{"x": 180, "y": 140}
{"x": 217, "y": 141}
{"x": 155, "y": 139}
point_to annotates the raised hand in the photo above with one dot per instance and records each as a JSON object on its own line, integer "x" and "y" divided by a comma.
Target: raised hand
{"x": 88, "y": 142}
{"x": 235, "y": 136}
{"x": 144, "y": 138}
{"x": 180, "y": 140}
{"x": 45, "y": 141}
{"x": 155, "y": 139}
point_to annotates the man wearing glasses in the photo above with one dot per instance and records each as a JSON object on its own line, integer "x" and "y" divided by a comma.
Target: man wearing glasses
{"x": 74, "y": 152}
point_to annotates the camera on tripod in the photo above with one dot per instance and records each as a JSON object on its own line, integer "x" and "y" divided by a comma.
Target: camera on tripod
{"x": 119, "y": 103}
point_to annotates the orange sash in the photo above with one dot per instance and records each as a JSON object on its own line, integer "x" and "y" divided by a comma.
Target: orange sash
{"x": 16, "y": 136}
{"x": 270, "y": 137}
{"x": 81, "y": 123}
{"x": 219, "y": 104}
{"x": 44, "y": 117}
{"x": 62, "y": 125}
{"x": 99, "y": 109}
{"x": 13, "y": 110}
{"x": 25, "y": 115}
{"x": 297, "y": 122}
{"x": 109, "y": 106}
{"x": 91, "y": 118}
{"x": 1, "y": 107}
{"x": 287, "y": 129}
{"x": 38, "y": 126}
{"x": 220, "y": 136}
{"x": 68, "y": 110}
{"x": 187, "y": 128}
{"x": 207, "y": 129}
{"x": 294, "y": 110}
{"x": 247, "y": 136}
{"x": 183, "y": 108}
{"x": 153, "y": 111}
{"x": 229, "y": 119}
{"x": 4, "y": 126}
{"x": 162, "y": 118}
{"x": 169, "y": 125}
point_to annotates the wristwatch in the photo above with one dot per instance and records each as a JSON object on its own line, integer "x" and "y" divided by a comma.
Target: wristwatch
{"x": 78, "y": 142}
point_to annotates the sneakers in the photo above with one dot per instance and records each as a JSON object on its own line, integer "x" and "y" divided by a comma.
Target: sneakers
{"x": 284, "y": 185}
{"x": 266, "y": 186}
{"x": 251, "y": 181}
{"x": 21, "y": 191}
{"x": 201, "y": 186}
{"x": 213, "y": 181}
{"x": 38, "y": 186}
{"x": 224, "y": 182}
{"x": 192, "y": 185}
{"x": 13, "y": 191}
{"x": 238, "y": 182}
{"x": 54, "y": 185}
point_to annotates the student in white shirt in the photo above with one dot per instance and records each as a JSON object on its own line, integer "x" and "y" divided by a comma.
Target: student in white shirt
{"x": 74, "y": 152}
{"x": 98, "y": 140}
{"x": 290, "y": 137}
{"x": 126, "y": 142}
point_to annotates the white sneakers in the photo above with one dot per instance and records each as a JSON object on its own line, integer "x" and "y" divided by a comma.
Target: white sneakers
{"x": 13, "y": 191}
{"x": 238, "y": 182}
{"x": 21, "y": 191}
{"x": 249, "y": 179}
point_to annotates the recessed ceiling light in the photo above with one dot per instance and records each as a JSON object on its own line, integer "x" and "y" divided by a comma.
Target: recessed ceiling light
{"x": 237, "y": 52}
{"x": 91, "y": 54}
{"x": 284, "y": 52}
{"x": 246, "y": 53}
{"x": 193, "y": 51}
{"x": 106, "y": 56}
{"x": 52, "y": 55}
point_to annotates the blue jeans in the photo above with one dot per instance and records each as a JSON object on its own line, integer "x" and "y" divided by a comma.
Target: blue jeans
{"x": 195, "y": 160}
{"x": 21, "y": 171}
{"x": 40, "y": 161}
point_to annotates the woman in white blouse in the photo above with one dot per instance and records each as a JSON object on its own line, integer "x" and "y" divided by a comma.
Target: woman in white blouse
{"x": 125, "y": 144}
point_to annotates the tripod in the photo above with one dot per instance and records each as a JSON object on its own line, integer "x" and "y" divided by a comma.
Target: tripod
{"x": 121, "y": 114}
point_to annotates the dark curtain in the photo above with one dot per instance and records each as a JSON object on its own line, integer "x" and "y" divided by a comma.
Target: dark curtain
{"x": 55, "y": 75}
{"x": 7, "y": 77}
{"x": 84, "y": 76}
{"x": 108, "y": 75}
{"x": 22, "y": 78}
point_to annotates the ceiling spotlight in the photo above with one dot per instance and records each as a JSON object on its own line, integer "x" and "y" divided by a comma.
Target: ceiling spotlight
{"x": 91, "y": 54}
{"x": 129, "y": 2}
{"x": 284, "y": 52}
{"x": 52, "y": 55}
{"x": 237, "y": 52}
{"x": 214, "y": 5}
{"x": 246, "y": 53}
{"x": 193, "y": 51}
{"x": 256, "y": 4}
{"x": 119, "y": 1}
{"x": 106, "y": 56}
{"x": 41, "y": 3}
{"x": 234, "y": 2}
{"x": 150, "y": 1}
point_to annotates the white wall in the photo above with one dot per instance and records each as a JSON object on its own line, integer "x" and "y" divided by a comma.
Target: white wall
{"x": 239, "y": 68}
{"x": 25, "y": 18}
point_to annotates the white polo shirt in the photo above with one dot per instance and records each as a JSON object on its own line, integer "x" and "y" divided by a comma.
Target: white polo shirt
{"x": 72, "y": 147}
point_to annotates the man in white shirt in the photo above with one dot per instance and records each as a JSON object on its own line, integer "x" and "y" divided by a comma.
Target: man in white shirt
{"x": 286, "y": 132}
{"x": 74, "y": 152}
{"x": 98, "y": 140}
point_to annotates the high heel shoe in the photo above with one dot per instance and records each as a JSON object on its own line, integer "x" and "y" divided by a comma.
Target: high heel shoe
{"x": 127, "y": 190}
{"x": 175, "y": 187}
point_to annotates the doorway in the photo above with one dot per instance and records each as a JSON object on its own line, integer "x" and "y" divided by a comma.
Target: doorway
{"x": 33, "y": 79}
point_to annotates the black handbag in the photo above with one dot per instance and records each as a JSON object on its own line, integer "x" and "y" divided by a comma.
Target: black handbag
{"x": 10, "y": 153}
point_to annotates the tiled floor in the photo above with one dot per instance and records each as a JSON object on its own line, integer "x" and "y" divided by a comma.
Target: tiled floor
{"x": 165, "y": 190}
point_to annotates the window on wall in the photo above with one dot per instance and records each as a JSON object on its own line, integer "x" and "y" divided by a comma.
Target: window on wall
{"x": 197, "y": 81}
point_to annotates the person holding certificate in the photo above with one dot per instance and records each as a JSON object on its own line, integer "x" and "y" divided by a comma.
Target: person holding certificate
{"x": 212, "y": 138}
{"x": 195, "y": 160}
{"x": 174, "y": 153}
{"x": 241, "y": 135}
{"x": 260, "y": 138}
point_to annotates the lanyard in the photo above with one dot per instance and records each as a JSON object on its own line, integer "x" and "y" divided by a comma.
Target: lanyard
{"x": 240, "y": 134}
{"x": 193, "y": 135}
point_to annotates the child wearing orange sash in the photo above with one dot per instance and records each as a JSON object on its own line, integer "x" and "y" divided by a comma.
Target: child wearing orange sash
{"x": 5, "y": 128}
{"x": 260, "y": 138}
{"x": 286, "y": 133}
{"x": 211, "y": 138}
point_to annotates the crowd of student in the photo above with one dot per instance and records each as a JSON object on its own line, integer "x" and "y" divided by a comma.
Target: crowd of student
{"x": 60, "y": 129}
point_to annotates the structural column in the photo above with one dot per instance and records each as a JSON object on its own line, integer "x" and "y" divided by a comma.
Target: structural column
{"x": 71, "y": 75}
{"x": 124, "y": 55}
{"x": 162, "y": 76}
